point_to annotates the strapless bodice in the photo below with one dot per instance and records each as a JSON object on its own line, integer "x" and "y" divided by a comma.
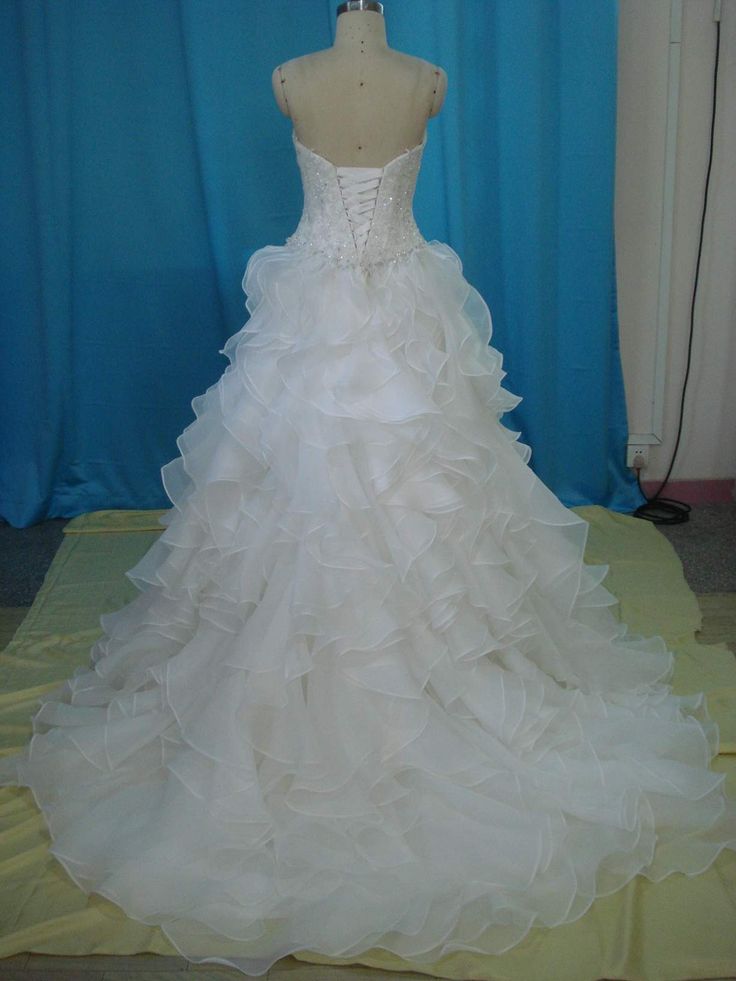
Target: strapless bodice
{"x": 358, "y": 216}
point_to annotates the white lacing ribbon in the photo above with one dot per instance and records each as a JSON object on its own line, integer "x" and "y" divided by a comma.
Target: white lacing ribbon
{"x": 359, "y": 190}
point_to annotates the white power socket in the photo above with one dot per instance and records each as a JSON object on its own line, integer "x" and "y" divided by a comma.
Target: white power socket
{"x": 637, "y": 456}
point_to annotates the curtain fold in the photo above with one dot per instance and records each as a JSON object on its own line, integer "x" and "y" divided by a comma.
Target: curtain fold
{"x": 145, "y": 160}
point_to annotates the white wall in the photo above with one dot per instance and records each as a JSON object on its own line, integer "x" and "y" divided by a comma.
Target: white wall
{"x": 708, "y": 444}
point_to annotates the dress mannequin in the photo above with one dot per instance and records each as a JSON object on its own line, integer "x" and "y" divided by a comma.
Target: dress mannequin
{"x": 359, "y": 103}
{"x": 370, "y": 695}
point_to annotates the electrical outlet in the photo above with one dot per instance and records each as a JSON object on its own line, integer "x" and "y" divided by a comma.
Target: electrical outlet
{"x": 637, "y": 456}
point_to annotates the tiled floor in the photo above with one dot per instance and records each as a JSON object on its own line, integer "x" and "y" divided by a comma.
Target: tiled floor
{"x": 153, "y": 967}
{"x": 706, "y": 546}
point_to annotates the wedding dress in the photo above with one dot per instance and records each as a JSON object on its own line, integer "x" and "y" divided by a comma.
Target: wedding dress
{"x": 368, "y": 694}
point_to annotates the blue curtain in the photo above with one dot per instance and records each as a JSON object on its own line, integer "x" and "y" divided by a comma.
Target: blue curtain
{"x": 145, "y": 159}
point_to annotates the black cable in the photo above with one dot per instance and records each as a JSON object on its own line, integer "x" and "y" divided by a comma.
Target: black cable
{"x": 666, "y": 510}
{"x": 662, "y": 510}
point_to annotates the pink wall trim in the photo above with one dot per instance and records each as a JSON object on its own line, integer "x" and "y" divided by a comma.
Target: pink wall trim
{"x": 695, "y": 491}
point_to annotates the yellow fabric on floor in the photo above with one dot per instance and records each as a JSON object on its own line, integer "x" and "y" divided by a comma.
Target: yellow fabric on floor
{"x": 679, "y": 928}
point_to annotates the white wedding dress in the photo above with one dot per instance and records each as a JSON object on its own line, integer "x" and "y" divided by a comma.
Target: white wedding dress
{"x": 369, "y": 694}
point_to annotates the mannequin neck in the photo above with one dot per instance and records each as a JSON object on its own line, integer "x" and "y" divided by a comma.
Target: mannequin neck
{"x": 360, "y": 29}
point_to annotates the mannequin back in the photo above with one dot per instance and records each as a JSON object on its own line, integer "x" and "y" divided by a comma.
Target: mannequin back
{"x": 359, "y": 103}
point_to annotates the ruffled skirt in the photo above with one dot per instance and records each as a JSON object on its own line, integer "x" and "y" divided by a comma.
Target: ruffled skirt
{"x": 369, "y": 694}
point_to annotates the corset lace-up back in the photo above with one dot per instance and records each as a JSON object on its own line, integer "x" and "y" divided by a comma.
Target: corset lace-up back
{"x": 358, "y": 216}
{"x": 359, "y": 190}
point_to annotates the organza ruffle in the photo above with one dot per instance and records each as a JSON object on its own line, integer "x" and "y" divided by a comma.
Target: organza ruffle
{"x": 369, "y": 694}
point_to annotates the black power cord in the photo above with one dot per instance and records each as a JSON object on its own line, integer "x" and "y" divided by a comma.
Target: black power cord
{"x": 665, "y": 510}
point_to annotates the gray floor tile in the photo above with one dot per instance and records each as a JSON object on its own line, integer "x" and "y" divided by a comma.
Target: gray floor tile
{"x": 132, "y": 963}
{"x": 26, "y": 554}
{"x": 45, "y": 974}
{"x": 706, "y": 546}
{"x": 291, "y": 969}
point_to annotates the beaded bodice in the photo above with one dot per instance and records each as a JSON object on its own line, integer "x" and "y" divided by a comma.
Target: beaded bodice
{"x": 358, "y": 216}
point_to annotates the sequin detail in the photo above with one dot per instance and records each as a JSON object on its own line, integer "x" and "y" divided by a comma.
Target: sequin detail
{"x": 358, "y": 216}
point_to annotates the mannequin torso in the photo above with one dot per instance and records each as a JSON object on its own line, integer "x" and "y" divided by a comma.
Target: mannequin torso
{"x": 359, "y": 103}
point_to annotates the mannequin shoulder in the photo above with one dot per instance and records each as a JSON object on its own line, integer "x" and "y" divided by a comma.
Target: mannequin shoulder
{"x": 438, "y": 79}
{"x": 277, "y": 84}
{"x": 291, "y": 76}
{"x": 433, "y": 80}
{"x": 281, "y": 76}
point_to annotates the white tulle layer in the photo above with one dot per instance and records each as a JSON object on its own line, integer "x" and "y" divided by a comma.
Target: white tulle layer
{"x": 369, "y": 694}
